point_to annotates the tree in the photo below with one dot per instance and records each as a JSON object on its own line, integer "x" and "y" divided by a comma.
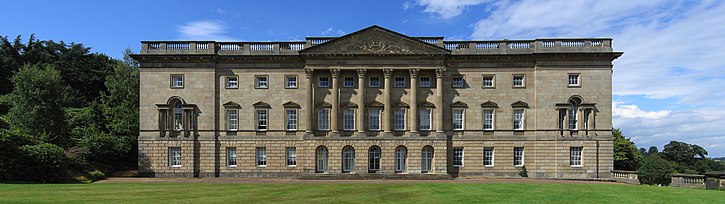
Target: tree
{"x": 37, "y": 104}
{"x": 653, "y": 150}
{"x": 626, "y": 156}
{"x": 654, "y": 170}
{"x": 120, "y": 106}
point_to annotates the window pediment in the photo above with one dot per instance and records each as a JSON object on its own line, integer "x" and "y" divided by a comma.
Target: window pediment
{"x": 261, "y": 104}
{"x": 426, "y": 104}
{"x": 459, "y": 104}
{"x": 401, "y": 104}
{"x": 291, "y": 104}
{"x": 232, "y": 105}
{"x": 375, "y": 104}
{"x": 489, "y": 104}
{"x": 324, "y": 105}
{"x": 348, "y": 105}
{"x": 520, "y": 104}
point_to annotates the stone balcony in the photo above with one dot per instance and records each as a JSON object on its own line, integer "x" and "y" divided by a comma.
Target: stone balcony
{"x": 558, "y": 45}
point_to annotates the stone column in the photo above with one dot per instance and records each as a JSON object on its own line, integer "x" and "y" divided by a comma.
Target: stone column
{"x": 440, "y": 72}
{"x": 413, "y": 101}
{"x": 310, "y": 99}
{"x": 335, "y": 100}
{"x": 387, "y": 109}
{"x": 361, "y": 100}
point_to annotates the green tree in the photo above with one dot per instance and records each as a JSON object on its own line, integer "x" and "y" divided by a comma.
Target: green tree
{"x": 654, "y": 170}
{"x": 626, "y": 155}
{"x": 37, "y": 103}
{"x": 120, "y": 106}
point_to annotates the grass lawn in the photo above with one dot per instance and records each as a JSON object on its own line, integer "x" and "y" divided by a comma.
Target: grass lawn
{"x": 353, "y": 193}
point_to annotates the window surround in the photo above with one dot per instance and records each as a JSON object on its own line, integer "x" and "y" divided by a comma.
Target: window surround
{"x": 401, "y": 159}
{"x": 261, "y": 81}
{"x": 459, "y": 157}
{"x": 348, "y": 159}
{"x": 291, "y": 156}
{"x": 424, "y": 83}
{"x": 399, "y": 84}
{"x": 493, "y": 119}
{"x": 261, "y": 153}
{"x": 374, "y": 83}
{"x": 261, "y": 119}
{"x": 291, "y": 123}
{"x": 430, "y": 119}
{"x": 487, "y": 157}
{"x": 323, "y": 122}
{"x": 577, "y": 78}
{"x": 395, "y": 119}
{"x": 323, "y": 83}
{"x": 374, "y": 157}
{"x": 523, "y": 81}
{"x": 232, "y": 122}
{"x": 321, "y": 156}
{"x": 521, "y": 121}
{"x": 518, "y": 159}
{"x": 576, "y": 155}
{"x": 229, "y": 84}
{"x": 426, "y": 159}
{"x": 493, "y": 81}
{"x": 175, "y": 157}
{"x": 348, "y": 83}
{"x": 172, "y": 83}
{"x": 463, "y": 119}
{"x": 231, "y": 157}
{"x": 462, "y": 81}
{"x": 287, "y": 81}
{"x": 378, "y": 112}
{"x": 348, "y": 124}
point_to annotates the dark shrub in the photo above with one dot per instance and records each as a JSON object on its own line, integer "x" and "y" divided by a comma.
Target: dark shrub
{"x": 106, "y": 148}
{"x": 654, "y": 170}
{"x": 10, "y": 154}
{"x": 523, "y": 172}
{"x": 44, "y": 163}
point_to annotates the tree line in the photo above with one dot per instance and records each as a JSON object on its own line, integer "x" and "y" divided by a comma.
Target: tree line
{"x": 66, "y": 114}
{"x": 655, "y": 167}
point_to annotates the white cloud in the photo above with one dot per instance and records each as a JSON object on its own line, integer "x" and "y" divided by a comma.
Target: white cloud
{"x": 204, "y": 30}
{"x": 672, "y": 50}
{"x": 447, "y": 8}
{"x": 221, "y": 11}
{"x": 407, "y": 5}
{"x": 332, "y": 31}
{"x": 633, "y": 111}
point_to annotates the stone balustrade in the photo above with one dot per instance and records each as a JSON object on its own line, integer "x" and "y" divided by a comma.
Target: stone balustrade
{"x": 585, "y": 45}
{"x": 688, "y": 180}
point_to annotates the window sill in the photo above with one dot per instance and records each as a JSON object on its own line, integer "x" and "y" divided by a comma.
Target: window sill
{"x": 261, "y": 166}
{"x": 231, "y": 87}
{"x": 518, "y": 87}
{"x": 176, "y": 166}
{"x": 489, "y": 87}
{"x": 488, "y": 166}
{"x": 291, "y": 166}
{"x": 231, "y": 166}
{"x": 519, "y": 166}
{"x": 291, "y": 87}
{"x": 577, "y": 166}
{"x": 177, "y": 87}
{"x": 574, "y": 86}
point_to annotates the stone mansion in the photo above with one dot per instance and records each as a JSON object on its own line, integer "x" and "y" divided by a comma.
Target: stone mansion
{"x": 376, "y": 104}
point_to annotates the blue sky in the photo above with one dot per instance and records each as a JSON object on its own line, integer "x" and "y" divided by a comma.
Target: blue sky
{"x": 668, "y": 85}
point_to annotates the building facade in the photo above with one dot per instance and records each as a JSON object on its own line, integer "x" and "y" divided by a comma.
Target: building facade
{"x": 375, "y": 104}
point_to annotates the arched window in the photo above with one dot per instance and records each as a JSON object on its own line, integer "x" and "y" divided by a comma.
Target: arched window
{"x": 348, "y": 159}
{"x": 321, "y": 159}
{"x": 374, "y": 157}
{"x": 178, "y": 116}
{"x": 401, "y": 156}
{"x": 573, "y": 110}
{"x": 426, "y": 159}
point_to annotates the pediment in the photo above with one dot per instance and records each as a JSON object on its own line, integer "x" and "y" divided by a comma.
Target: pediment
{"x": 291, "y": 104}
{"x": 426, "y": 104}
{"x": 261, "y": 105}
{"x": 489, "y": 104}
{"x": 348, "y": 105}
{"x": 375, "y": 40}
{"x": 232, "y": 105}
{"x": 375, "y": 104}
{"x": 324, "y": 105}
{"x": 520, "y": 104}
{"x": 459, "y": 104}
{"x": 401, "y": 104}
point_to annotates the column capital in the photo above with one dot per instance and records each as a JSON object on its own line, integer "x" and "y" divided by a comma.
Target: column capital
{"x": 440, "y": 72}
{"x": 414, "y": 72}
{"x": 335, "y": 72}
{"x": 387, "y": 72}
{"x": 309, "y": 72}
{"x": 361, "y": 72}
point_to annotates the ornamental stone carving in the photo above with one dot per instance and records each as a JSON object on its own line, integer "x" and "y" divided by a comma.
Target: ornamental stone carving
{"x": 378, "y": 46}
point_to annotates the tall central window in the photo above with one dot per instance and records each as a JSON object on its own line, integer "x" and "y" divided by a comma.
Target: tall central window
{"x": 488, "y": 119}
{"x": 178, "y": 116}
{"x": 399, "y": 119}
{"x": 457, "y": 119}
{"x": 291, "y": 116}
{"x": 323, "y": 119}
{"x": 518, "y": 119}
{"x": 573, "y": 110}
{"x": 374, "y": 157}
{"x": 425, "y": 119}
{"x": 348, "y": 119}
{"x": 348, "y": 159}
{"x": 374, "y": 119}
{"x": 261, "y": 119}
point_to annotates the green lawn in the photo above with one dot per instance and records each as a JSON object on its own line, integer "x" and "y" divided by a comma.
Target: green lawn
{"x": 353, "y": 193}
